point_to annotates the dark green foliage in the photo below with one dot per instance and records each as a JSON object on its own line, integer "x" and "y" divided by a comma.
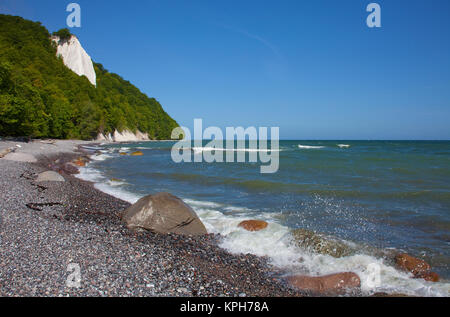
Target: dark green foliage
{"x": 40, "y": 97}
{"x": 64, "y": 34}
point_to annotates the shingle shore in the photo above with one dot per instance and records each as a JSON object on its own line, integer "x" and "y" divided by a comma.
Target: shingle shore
{"x": 73, "y": 223}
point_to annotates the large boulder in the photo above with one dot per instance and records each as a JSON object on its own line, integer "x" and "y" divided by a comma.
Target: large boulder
{"x": 319, "y": 243}
{"x": 50, "y": 176}
{"x": 163, "y": 213}
{"x": 326, "y": 285}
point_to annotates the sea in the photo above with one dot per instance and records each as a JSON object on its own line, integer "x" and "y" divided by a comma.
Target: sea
{"x": 373, "y": 197}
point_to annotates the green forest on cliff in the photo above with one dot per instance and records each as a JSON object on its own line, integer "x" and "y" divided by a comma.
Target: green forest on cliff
{"x": 41, "y": 98}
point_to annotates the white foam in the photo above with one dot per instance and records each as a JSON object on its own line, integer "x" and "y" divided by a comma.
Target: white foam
{"x": 90, "y": 175}
{"x": 309, "y": 147}
{"x": 118, "y": 192}
{"x": 275, "y": 242}
{"x": 100, "y": 157}
{"x": 107, "y": 186}
{"x": 344, "y": 146}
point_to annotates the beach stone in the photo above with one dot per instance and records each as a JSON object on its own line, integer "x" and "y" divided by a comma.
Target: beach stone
{"x": 50, "y": 176}
{"x": 5, "y": 152}
{"x": 80, "y": 162}
{"x": 163, "y": 213}
{"x": 253, "y": 225}
{"x": 411, "y": 264}
{"x": 20, "y": 157}
{"x": 329, "y": 284}
{"x": 321, "y": 244}
{"x": 429, "y": 277}
{"x": 137, "y": 153}
{"x": 70, "y": 168}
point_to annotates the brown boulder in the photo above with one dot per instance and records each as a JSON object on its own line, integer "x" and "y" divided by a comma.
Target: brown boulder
{"x": 429, "y": 277}
{"x": 137, "y": 153}
{"x": 163, "y": 213}
{"x": 411, "y": 264}
{"x": 329, "y": 284}
{"x": 253, "y": 225}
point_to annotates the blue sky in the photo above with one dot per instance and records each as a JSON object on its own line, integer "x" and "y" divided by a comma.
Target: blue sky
{"x": 313, "y": 67}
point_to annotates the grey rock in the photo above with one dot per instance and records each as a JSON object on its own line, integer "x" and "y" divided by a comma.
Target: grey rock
{"x": 50, "y": 176}
{"x": 163, "y": 213}
{"x": 4, "y": 152}
{"x": 20, "y": 157}
{"x": 320, "y": 243}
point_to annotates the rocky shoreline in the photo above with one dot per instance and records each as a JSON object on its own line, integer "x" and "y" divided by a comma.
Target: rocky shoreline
{"x": 47, "y": 228}
{"x": 52, "y": 223}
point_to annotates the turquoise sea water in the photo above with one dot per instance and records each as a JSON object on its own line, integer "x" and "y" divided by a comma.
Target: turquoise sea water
{"x": 382, "y": 194}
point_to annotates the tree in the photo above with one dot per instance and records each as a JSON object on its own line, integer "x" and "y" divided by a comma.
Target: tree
{"x": 63, "y": 34}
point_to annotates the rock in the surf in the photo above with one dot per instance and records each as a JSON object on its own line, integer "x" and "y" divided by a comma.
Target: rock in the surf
{"x": 330, "y": 284}
{"x": 137, "y": 153}
{"x": 163, "y": 213}
{"x": 321, "y": 244}
{"x": 50, "y": 176}
{"x": 412, "y": 264}
{"x": 81, "y": 162}
{"x": 429, "y": 277}
{"x": 253, "y": 225}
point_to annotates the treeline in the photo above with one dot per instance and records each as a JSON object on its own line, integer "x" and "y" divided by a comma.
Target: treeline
{"x": 41, "y": 98}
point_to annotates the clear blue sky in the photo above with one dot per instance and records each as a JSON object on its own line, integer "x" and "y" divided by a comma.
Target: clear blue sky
{"x": 313, "y": 67}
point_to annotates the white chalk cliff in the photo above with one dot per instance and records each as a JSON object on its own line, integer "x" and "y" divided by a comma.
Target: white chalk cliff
{"x": 124, "y": 136}
{"x": 76, "y": 58}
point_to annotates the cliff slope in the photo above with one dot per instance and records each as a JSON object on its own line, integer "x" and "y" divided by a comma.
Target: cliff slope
{"x": 41, "y": 97}
{"x": 75, "y": 57}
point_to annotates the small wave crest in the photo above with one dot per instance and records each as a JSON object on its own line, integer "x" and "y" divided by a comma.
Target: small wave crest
{"x": 310, "y": 147}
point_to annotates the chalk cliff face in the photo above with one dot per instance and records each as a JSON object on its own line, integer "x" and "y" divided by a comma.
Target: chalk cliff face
{"x": 76, "y": 58}
{"x": 125, "y": 136}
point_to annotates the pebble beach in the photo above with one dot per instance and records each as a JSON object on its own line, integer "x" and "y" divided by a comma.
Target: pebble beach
{"x": 48, "y": 227}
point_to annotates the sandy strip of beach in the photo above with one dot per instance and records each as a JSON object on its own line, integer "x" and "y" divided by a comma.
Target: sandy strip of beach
{"x": 48, "y": 229}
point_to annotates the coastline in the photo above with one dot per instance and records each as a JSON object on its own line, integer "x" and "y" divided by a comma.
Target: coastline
{"x": 47, "y": 226}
